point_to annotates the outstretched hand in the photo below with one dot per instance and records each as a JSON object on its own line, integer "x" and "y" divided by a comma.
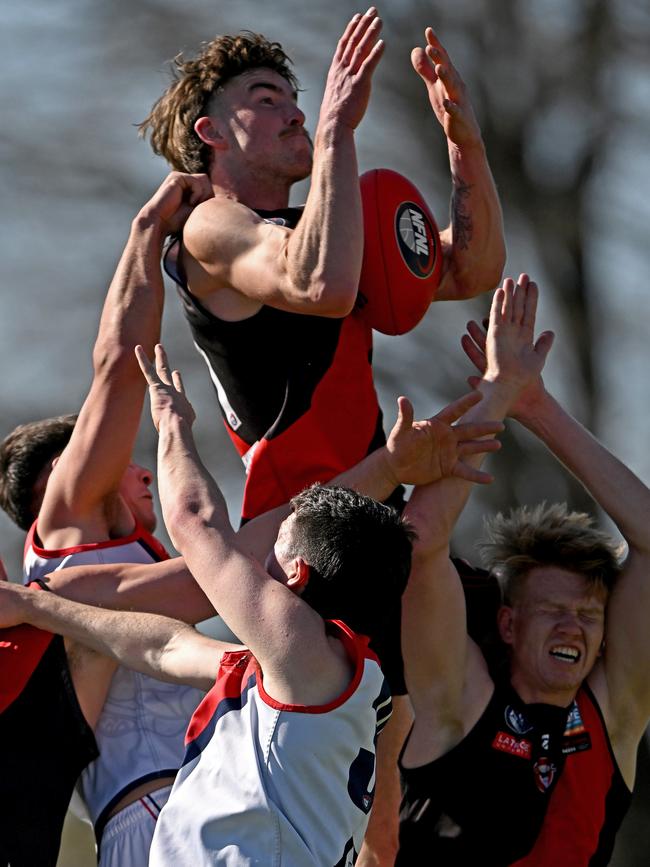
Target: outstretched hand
{"x": 447, "y": 92}
{"x": 166, "y": 390}
{"x": 358, "y": 52}
{"x": 176, "y": 198}
{"x": 509, "y": 353}
{"x": 421, "y": 452}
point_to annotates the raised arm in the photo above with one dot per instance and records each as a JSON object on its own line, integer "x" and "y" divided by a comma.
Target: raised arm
{"x": 237, "y": 262}
{"x": 92, "y": 466}
{"x": 158, "y": 646}
{"x": 446, "y": 675}
{"x": 626, "y": 500}
{"x": 473, "y": 244}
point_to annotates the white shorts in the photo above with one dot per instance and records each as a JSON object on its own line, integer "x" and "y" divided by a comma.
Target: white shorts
{"x": 127, "y": 836}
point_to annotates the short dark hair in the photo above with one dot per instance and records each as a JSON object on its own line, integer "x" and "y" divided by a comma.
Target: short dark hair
{"x": 359, "y": 553}
{"x": 170, "y": 122}
{"x": 24, "y": 453}
{"x": 528, "y": 538}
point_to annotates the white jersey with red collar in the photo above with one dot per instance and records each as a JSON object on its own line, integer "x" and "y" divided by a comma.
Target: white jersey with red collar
{"x": 272, "y": 784}
{"x": 141, "y": 728}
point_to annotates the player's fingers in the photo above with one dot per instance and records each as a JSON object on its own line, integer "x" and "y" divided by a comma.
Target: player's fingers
{"x": 370, "y": 63}
{"x": 3, "y": 572}
{"x": 343, "y": 41}
{"x": 200, "y": 189}
{"x": 366, "y": 44}
{"x": 162, "y": 364}
{"x": 474, "y": 447}
{"x": 532, "y": 296}
{"x": 470, "y": 474}
{"x": 474, "y": 381}
{"x": 496, "y": 309}
{"x": 507, "y": 304}
{"x": 544, "y": 343}
{"x": 404, "y": 413}
{"x": 148, "y": 369}
{"x": 357, "y": 34}
{"x": 423, "y": 65}
{"x": 477, "y": 333}
{"x": 449, "y": 78}
{"x": 474, "y": 429}
{"x": 519, "y": 303}
{"x": 435, "y": 45}
{"x": 177, "y": 381}
{"x": 475, "y": 355}
{"x": 458, "y": 407}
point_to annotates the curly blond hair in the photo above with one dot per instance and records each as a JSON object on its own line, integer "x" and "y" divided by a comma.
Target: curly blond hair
{"x": 528, "y": 538}
{"x": 170, "y": 123}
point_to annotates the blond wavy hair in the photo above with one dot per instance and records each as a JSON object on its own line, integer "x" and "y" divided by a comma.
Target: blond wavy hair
{"x": 544, "y": 535}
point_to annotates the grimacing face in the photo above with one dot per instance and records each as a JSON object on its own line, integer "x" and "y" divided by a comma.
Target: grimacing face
{"x": 257, "y": 113}
{"x": 555, "y": 629}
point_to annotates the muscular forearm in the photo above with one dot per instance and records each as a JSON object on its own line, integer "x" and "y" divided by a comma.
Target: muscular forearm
{"x": 136, "y": 640}
{"x": 473, "y": 244}
{"x": 134, "y": 303}
{"x": 324, "y": 253}
{"x": 189, "y": 496}
{"x": 373, "y": 476}
{"x": 434, "y": 509}
{"x": 612, "y": 485}
{"x": 166, "y": 588}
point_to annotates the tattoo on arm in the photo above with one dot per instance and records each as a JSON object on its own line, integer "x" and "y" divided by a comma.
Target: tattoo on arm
{"x": 461, "y": 218}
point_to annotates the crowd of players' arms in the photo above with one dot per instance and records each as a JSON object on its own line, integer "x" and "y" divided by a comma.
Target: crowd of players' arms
{"x": 501, "y": 726}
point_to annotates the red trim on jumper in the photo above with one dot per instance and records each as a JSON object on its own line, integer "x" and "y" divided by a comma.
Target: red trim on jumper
{"x": 241, "y": 445}
{"x": 138, "y": 534}
{"x": 230, "y": 680}
{"x": 576, "y": 812}
{"x": 356, "y": 647}
{"x": 237, "y": 666}
{"x": 21, "y": 649}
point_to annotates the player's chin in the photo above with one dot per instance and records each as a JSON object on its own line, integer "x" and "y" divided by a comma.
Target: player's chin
{"x": 147, "y": 518}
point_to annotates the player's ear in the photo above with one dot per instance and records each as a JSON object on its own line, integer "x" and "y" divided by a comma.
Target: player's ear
{"x": 207, "y": 129}
{"x": 504, "y": 622}
{"x": 298, "y": 575}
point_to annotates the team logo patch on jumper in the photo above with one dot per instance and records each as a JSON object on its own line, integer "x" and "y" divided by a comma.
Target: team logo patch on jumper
{"x": 516, "y": 721}
{"x": 515, "y": 746}
{"x": 415, "y": 239}
{"x": 544, "y": 771}
{"x": 576, "y": 738}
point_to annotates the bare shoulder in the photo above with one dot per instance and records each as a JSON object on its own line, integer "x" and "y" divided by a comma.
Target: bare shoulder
{"x": 215, "y": 224}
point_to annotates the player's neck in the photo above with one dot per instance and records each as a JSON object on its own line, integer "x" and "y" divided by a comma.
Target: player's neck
{"x": 534, "y": 693}
{"x": 270, "y": 194}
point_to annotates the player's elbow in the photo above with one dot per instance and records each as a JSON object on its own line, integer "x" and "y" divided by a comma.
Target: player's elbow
{"x": 329, "y": 296}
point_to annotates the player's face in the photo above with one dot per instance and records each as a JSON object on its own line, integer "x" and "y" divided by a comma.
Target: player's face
{"x": 263, "y": 125}
{"x": 278, "y": 562}
{"x": 135, "y": 490}
{"x": 555, "y": 629}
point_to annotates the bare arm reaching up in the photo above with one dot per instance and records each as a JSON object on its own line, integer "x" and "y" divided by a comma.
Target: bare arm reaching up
{"x": 473, "y": 244}
{"x": 446, "y": 675}
{"x": 619, "y": 678}
{"x": 82, "y": 500}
